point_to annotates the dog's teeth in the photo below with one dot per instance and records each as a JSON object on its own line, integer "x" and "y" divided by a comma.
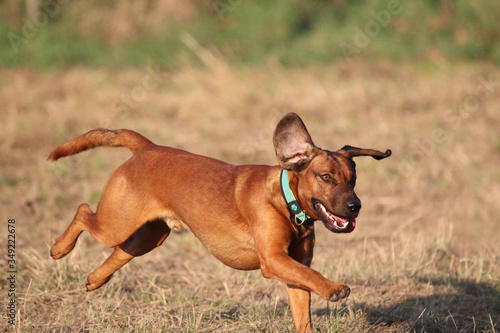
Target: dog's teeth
{"x": 331, "y": 217}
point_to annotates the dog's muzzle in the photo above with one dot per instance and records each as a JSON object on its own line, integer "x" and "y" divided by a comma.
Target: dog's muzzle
{"x": 333, "y": 222}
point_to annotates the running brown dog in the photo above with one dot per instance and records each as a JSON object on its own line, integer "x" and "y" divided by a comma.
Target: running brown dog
{"x": 239, "y": 213}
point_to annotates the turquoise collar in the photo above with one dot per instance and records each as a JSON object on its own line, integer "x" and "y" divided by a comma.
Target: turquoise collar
{"x": 297, "y": 214}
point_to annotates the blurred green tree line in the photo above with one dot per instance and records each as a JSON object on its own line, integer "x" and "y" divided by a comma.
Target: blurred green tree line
{"x": 50, "y": 33}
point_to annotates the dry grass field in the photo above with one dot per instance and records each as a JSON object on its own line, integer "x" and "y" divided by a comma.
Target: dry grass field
{"x": 425, "y": 255}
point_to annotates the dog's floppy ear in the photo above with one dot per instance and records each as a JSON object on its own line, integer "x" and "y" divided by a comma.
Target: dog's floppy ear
{"x": 293, "y": 144}
{"x": 351, "y": 152}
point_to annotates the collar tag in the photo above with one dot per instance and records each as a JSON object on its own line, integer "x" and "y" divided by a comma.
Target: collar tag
{"x": 297, "y": 214}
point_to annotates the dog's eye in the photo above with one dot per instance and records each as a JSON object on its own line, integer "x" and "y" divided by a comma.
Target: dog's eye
{"x": 326, "y": 177}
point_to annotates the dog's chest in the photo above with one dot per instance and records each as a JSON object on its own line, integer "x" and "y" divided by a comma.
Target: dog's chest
{"x": 234, "y": 250}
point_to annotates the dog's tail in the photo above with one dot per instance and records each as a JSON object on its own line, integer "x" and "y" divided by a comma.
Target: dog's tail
{"x": 99, "y": 138}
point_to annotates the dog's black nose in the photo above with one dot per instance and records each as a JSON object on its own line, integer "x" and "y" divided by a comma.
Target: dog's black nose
{"x": 354, "y": 205}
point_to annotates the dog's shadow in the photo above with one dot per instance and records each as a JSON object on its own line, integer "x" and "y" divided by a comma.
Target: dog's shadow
{"x": 468, "y": 307}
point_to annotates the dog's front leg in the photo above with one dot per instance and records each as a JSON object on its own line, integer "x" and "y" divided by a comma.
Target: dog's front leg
{"x": 272, "y": 242}
{"x": 299, "y": 298}
{"x": 300, "y": 280}
{"x": 300, "y": 306}
{"x": 278, "y": 265}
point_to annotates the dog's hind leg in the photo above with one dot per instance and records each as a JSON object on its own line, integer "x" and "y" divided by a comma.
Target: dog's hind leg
{"x": 83, "y": 219}
{"x": 145, "y": 239}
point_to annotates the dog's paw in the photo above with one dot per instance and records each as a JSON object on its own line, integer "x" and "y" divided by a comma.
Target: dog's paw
{"x": 58, "y": 251}
{"x": 93, "y": 283}
{"x": 340, "y": 294}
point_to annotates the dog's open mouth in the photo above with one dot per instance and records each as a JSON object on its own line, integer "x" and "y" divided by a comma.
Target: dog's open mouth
{"x": 333, "y": 222}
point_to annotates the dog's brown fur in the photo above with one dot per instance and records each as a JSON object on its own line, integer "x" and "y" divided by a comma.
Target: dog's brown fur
{"x": 237, "y": 212}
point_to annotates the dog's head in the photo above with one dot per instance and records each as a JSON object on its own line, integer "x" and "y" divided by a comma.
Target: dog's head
{"x": 326, "y": 179}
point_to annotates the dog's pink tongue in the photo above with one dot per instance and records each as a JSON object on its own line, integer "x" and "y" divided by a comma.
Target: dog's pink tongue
{"x": 352, "y": 224}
